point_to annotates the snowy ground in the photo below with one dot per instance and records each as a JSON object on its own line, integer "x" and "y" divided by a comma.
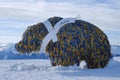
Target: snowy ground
{"x": 41, "y": 69}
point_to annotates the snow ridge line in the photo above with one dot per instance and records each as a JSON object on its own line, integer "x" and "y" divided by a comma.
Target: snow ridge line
{"x": 53, "y": 31}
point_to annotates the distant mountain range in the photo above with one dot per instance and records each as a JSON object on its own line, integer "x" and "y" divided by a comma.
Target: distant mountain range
{"x": 115, "y": 50}
{"x": 7, "y": 51}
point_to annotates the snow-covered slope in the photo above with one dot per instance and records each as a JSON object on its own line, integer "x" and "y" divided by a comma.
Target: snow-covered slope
{"x": 42, "y": 70}
{"x": 2, "y": 46}
{"x": 7, "y": 51}
{"x": 115, "y": 49}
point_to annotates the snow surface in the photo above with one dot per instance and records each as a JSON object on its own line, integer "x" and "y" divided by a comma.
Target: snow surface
{"x": 40, "y": 69}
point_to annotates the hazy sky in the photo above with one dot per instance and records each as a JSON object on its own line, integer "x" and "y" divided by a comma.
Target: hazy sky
{"x": 16, "y": 15}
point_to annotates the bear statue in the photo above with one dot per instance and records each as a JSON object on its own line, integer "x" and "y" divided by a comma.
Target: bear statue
{"x": 69, "y": 44}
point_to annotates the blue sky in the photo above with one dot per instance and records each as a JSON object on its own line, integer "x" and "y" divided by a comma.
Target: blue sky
{"x": 16, "y": 15}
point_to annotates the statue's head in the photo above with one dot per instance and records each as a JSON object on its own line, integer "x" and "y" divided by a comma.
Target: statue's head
{"x": 33, "y": 36}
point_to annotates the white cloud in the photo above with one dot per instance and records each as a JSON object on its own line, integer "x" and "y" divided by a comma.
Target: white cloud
{"x": 9, "y": 39}
{"x": 104, "y": 15}
{"x": 99, "y": 14}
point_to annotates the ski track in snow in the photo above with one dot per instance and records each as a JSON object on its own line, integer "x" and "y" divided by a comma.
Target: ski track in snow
{"x": 41, "y": 70}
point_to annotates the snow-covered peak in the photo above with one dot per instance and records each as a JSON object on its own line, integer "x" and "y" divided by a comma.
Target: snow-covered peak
{"x": 2, "y": 46}
{"x": 8, "y": 51}
{"x": 115, "y": 50}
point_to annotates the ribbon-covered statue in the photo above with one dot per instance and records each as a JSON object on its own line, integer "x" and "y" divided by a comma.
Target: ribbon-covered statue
{"x": 67, "y": 41}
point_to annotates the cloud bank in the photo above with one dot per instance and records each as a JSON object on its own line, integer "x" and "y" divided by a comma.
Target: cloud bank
{"x": 18, "y": 14}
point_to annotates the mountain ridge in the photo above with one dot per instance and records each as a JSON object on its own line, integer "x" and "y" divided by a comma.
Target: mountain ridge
{"x": 8, "y": 51}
